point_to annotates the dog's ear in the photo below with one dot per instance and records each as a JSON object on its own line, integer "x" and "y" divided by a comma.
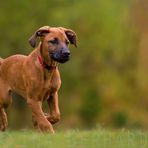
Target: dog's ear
{"x": 71, "y": 35}
{"x": 39, "y": 33}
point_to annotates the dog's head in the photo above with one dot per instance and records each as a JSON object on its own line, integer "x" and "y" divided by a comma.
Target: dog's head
{"x": 54, "y": 42}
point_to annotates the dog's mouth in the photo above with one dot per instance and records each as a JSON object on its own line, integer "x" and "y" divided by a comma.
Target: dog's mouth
{"x": 60, "y": 56}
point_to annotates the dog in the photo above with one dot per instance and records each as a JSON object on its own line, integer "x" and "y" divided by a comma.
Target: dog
{"x": 36, "y": 77}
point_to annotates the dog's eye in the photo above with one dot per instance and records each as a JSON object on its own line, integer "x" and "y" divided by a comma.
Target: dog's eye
{"x": 67, "y": 42}
{"x": 53, "y": 41}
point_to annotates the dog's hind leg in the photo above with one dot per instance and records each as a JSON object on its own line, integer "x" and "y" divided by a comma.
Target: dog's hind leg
{"x": 3, "y": 119}
{"x": 3, "y": 116}
{"x": 5, "y": 100}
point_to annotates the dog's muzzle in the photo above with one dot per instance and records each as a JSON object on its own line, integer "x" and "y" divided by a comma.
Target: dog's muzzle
{"x": 61, "y": 56}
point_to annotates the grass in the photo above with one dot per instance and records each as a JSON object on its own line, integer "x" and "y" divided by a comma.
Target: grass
{"x": 75, "y": 139}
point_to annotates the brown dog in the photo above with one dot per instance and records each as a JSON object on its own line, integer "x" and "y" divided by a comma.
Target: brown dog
{"x": 36, "y": 76}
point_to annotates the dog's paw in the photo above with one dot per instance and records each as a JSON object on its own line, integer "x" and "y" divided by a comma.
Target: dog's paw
{"x": 45, "y": 126}
{"x": 52, "y": 119}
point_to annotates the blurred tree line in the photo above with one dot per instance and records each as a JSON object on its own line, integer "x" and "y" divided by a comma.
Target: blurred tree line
{"x": 105, "y": 83}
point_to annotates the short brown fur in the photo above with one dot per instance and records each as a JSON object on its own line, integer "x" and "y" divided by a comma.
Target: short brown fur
{"x": 26, "y": 76}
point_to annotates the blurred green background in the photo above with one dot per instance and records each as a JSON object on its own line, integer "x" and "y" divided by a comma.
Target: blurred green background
{"x": 105, "y": 84}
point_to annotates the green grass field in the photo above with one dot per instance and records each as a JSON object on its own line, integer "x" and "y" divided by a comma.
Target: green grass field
{"x": 74, "y": 139}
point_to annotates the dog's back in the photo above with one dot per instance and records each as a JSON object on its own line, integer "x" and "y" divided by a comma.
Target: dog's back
{"x": 1, "y": 60}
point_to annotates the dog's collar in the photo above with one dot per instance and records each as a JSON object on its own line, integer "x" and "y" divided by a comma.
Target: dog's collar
{"x": 44, "y": 65}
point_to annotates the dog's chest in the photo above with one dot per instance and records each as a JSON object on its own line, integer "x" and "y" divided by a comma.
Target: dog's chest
{"x": 49, "y": 85}
{"x": 49, "y": 88}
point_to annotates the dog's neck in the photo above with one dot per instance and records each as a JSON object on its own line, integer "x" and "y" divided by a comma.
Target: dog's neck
{"x": 52, "y": 66}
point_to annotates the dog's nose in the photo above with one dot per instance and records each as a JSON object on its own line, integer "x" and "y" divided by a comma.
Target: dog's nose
{"x": 66, "y": 53}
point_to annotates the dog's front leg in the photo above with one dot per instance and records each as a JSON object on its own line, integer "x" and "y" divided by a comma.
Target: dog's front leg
{"x": 54, "y": 115}
{"x": 43, "y": 124}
